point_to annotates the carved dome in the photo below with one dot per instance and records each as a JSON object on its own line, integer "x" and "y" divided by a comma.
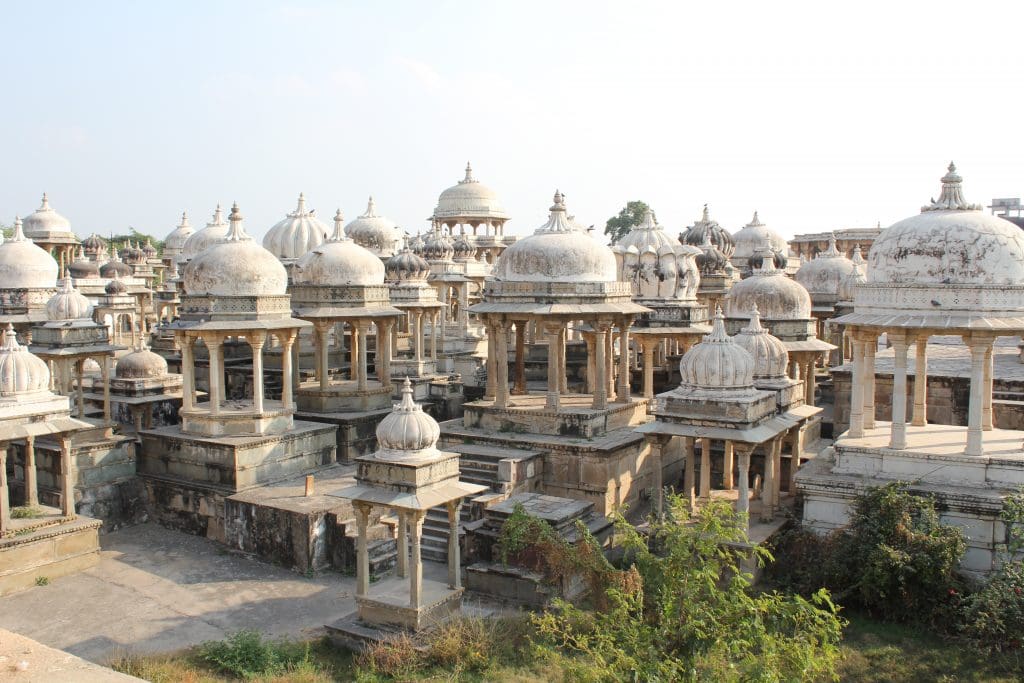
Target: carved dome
{"x": 380, "y": 235}
{"x": 752, "y": 236}
{"x": 770, "y": 356}
{"x": 437, "y": 247}
{"x": 850, "y": 282}
{"x": 68, "y": 303}
{"x": 556, "y": 252}
{"x": 406, "y": 266}
{"x": 706, "y": 228}
{"x": 339, "y": 261}
{"x": 45, "y": 223}
{"x": 82, "y": 267}
{"x": 200, "y": 240}
{"x": 235, "y": 266}
{"x": 711, "y": 259}
{"x": 407, "y": 432}
{"x": 115, "y": 268}
{"x": 175, "y": 241}
{"x": 950, "y": 242}
{"x": 94, "y": 245}
{"x": 148, "y": 249}
{"x": 294, "y": 236}
{"x": 657, "y": 265}
{"x": 23, "y": 265}
{"x": 132, "y": 254}
{"x": 141, "y": 364}
{"x": 21, "y": 372}
{"x": 717, "y": 362}
{"x": 776, "y": 296}
{"x": 116, "y": 286}
{"x": 826, "y": 272}
{"x": 469, "y": 200}
{"x": 463, "y": 249}
{"x": 766, "y": 252}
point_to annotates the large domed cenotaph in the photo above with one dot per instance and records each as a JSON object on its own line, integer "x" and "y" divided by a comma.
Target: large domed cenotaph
{"x": 949, "y": 270}
{"x": 470, "y": 203}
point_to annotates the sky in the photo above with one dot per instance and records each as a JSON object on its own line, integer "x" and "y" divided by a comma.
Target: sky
{"x": 819, "y": 115}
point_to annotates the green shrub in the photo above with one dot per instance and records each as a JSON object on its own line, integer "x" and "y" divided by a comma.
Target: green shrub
{"x": 994, "y": 616}
{"x": 247, "y": 654}
{"x": 26, "y": 512}
{"x": 42, "y": 581}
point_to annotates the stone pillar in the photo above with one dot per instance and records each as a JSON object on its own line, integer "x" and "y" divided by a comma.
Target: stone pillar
{"x": 80, "y": 394}
{"x": 647, "y": 348}
{"x": 898, "y": 434}
{"x": 979, "y": 347}
{"x": 416, "y": 569}
{"x": 727, "y": 462}
{"x": 796, "y": 451}
{"x": 657, "y": 445}
{"x": 768, "y": 485}
{"x": 67, "y": 486}
{"x": 600, "y": 366}
{"x": 213, "y": 347}
{"x": 520, "y": 368}
{"x": 361, "y": 368}
{"x": 382, "y": 361}
{"x": 105, "y": 378}
{"x": 743, "y": 499}
{"x": 492, "y": 360}
{"x": 419, "y": 336}
{"x": 501, "y": 365}
{"x": 591, "y": 366}
{"x": 322, "y": 349}
{"x": 986, "y": 411}
{"x": 31, "y": 478}
{"x": 288, "y": 348}
{"x": 688, "y": 472}
{"x": 435, "y": 332}
{"x": 809, "y": 381}
{"x": 857, "y": 389}
{"x": 256, "y": 342}
{"x": 5, "y": 509}
{"x": 296, "y": 364}
{"x": 188, "y": 373}
{"x": 624, "y": 389}
{"x": 705, "y": 469}
{"x": 402, "y": 570}
{"x": 362, "y": 552}
{"x": 454, "y": 561}
{"x": 553, "y": 331}
{"x": 563, "y": 381}
{"x": 777, "y": 469}
{"x": 610, "y": 362}
{"x": 871, "y": 346}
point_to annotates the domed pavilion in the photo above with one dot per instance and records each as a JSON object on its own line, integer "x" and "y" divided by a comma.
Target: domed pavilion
{"x": 406, "y": 274}
{"x": 952, "y": 269}
{"x": 822, "y": 278}
{"x": 174, "y": 243}
{"x": 52, "y": 233}
{"x": 28, "y": 278}
{"x": 377, "y": 233}
{"x": 296, "y": 234}
{"x": 470, "y": 203}
{"x": 716, "y": 246}
{"x": 752, "y": 237}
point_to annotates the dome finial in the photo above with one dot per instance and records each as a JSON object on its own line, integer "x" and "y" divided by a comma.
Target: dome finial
{"x": 755, "y": 321}
{"x": 559, "y": 202}
{"x": 469, "y": 174}
{"x": 218, "y": 216}
{"x": 858, "y": 257}
{"x": 339, "y": 230}
{"x": 371, "y": 209}
{"x": 46, "y": 203}
{"x": 300, "y": 210}
{"x": 755, "y": 221}
{"x": 19, "y": 235}
{"x": 704, "y": 215}
{"x": 10, "y": 338}
{"x": 951, "y": 198}
{"x": 236, "y": 233}
{"x": 718, "y": 333}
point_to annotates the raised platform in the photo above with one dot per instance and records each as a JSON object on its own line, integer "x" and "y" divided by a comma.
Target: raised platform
{"x": 342, "y": 397}
{"x": 47, "y": 546}
{"x": 357, "y": 430}
{"x": 527, "y": 413}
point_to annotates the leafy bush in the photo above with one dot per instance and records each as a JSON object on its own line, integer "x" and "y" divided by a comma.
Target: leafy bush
{"x": 25, "y": 512}
{"x": 994, "y": 615}
{"x": 247, "y": 654}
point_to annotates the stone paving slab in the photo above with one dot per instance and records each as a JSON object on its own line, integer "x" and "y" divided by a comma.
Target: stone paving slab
{"x": 25, "y": 661}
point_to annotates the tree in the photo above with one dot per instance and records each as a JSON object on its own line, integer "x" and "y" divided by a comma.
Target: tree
{"x": 632, "y": 214}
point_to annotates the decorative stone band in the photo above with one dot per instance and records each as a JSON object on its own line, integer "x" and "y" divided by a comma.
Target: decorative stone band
{"x": 980, "y": 300}
{"x": 354, "y": 295}
{"x": 235, "y": 307}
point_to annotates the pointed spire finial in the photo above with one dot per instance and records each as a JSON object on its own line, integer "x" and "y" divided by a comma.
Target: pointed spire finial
{"x": 301, "y": 208}
{"x": 371, "y": 208}
{"x": 469, "y": 174}
{"x": 19, "y": 235}
{"x": 704, "y": 216}
{"x": 559, "y": 202}
{"x": 46, "y": 203}
{"x": 339, "y": 230}
{"x": 218, "y": 216}
{"x": 951, "y": 198}
{"x": 236, "y": 233}
{"x": 755, "y": 220}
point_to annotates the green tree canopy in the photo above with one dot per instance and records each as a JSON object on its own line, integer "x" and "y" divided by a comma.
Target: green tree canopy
{"x": 632, "y": 214}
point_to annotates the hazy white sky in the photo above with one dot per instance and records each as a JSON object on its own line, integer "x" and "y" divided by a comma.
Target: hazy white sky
{"x": 820, "y": 115}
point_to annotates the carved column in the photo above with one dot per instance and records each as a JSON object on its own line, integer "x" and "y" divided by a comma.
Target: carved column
{"x": 600, "y": 365}
{"x": 361, "y": 371}
{"x": 768, "y": 485}
{"x": 647, "y": 348}
{"x": 705, "y": 469}
{"x": 857, "y": 388}
{"x": 623, "y": 390}
{"x": 553, "y": 330}
{"x": 657, "y": 444}
{"x": 492, "y": 359}
{"x": 213, "y": 346}
{"x": 588, "y": 338}
{"x": 454, "y": 561}
{"x": 920, "y": 418}
{"x": 31, "y": 477}
{"x": 362, "y": 511}
{"x": 870, "y": 347}
{"x": 80, "y": 394}
{"x": 382, "y": 361}
{"x": 188, "y": 372}
{"x": 986, "y": 411}
{"x": 796, "y": 451}
{"x": 402, "y": 570}
{"x": 105, "y": 378}
{"x": 743, "y": 499}
{"x": 898, "y": 433}
{"x": 727, "y": 463}
{"x": 563, "y": 380}
{"x": 256, "y": 342}
{"x": 287, "y": 383}
{"x": 520, "y": 369}
{"x": 688, "y": 472}
{"x": 67, "y": 486}
{"x": 501, "y": 364}
{"x": 5, "y": 509}
{"x": 610, "y": 362}
{"x": 979, "y": 347}
{"x": 416, "y": 572}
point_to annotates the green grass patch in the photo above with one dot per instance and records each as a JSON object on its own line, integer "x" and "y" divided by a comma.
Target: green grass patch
{"x": 24, "y": 512}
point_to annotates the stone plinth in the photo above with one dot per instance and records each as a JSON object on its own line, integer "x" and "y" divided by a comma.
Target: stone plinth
{"x": 356, "y": 433}
{"x": 342, "y": 397}
{"x": 388, "y": 605}
{"x": 50, "y": 546}
{"x": 574, "y": 418}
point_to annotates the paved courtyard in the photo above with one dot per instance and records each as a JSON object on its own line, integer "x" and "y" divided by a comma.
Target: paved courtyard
{"x": 156, "y": 590}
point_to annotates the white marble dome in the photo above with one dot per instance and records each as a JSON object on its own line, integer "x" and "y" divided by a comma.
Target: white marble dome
{"x": 175, "y": 241}
{"x": 68, "y": 303}
{"x": 753, "y": 235}
{"x": 23, "y": 265}
{"x": 201, "y": 239}
{"x": 21, "y": 372}
{"x": 407, "y": 432}
{"x": 824, "y": 274}
{"x": 380, "y": 235}
{"x": 850, "y": 282}
{"x": 296, "y": 234}
{"x": 770, "y": 356}
{"x": 82, "y": 267}
{"x": 141, "y": 364}
{"x": 339, "y": 261}
{"x": 708, "y": 229}
{"x": 235, "y": 266}
{"x": 717, "y": 362}
{"x": 556, "y": 252}
{"x": 45, "y": 223}
{"x": 776, "y": 296}
{"x": 950, "y": 242}
{"x": 407, "y": 266}
{"x": 469, "y": 199}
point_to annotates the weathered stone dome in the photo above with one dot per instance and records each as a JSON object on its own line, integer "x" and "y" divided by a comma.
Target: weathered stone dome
{"x": 850, "y": 282}
{"x": 752, "y": 236}
{"x": 45, "y": 223}
{"x": 235, "y": 266}
{"x": 469, "y": 199}
{"x": 711, "y": 259}
{"x": 175, "y": 241}
{"x": 82, "y": 267}
{"x": 339, "y": 261}
{"x": 21, "y": 372}
{"x": 148, "y": 249}
{"x": 406, "y": 266}
{"x": 717, "y": 362}
{"x": 463, "y": 249}
{"x": 766, "y": 253}
{"x": 116, "y": 287}
{"x": 407, "y": 432}
{"x": 776, "y": 296}
{"x": 556, "y": 252}
{"x": 200, "y": 240}
{"x": 141, "y": 364}
{"x": 380, "y": 235}
{"x": 437, "y": 247}
{"x": 825, "y": 274}
{"x": 709, "y": 229}
{"x": 24, "y": 265}
{"x": 68, "y": 303}
{"x": 296, "y": 234}
{"x": 94, "y": 245}
{"x": 770, "y": 356}
{"x": 950, "y": 242}
{"x": 112, "y": 268}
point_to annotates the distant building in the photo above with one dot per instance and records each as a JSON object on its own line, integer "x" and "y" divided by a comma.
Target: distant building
{"x": 1010, "y": 209}
{"x": 811, "y": 244}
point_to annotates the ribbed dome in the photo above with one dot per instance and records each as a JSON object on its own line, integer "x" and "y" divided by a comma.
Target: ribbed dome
{"x": 23, "y": 265}
{"x": 826, "y": 272}
{"x": 118, "y": 268}
{"x": 116, "y": 287}
{"x": 706, "y": 228}
{"x": 200, "y": 240}
{"x": 21, "y": 372}
{"x": 648, "y": 234}
{"x": 235, "y": 266}
{"x": 141, "y": 364}
{"x": 463, "y": 249}
{"x": 175, "y": 242}
{"x": 717, "y": 362}
{"x": 299, "y": 232}
{"x": 556, "y": 252}
{"x": 753, "y": 235}
{"x": 437, "y": 247}
{"x": 378, "y": 234}
{"x": 45, "y": 223}
{"x": 68, "y": 303}
{"x": 82, "y": 267}
{"x": 711, "y": 259}
{"x": 469, "y": 199}
{"x": 407, "y": 432}
{"x": 406, "y": 266}
{"x": 770, "y": 356}
{"x": 766, "y": 252}
{"x": 416, "y": 243}
{"x": 339, "y": 261}
{"x": 132, "y": 254}
{"x": 94, "y": 245}
{"x": 148, "y": 249}
{"x": 775, "y": 295}
{"x": 950, "y": 242}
